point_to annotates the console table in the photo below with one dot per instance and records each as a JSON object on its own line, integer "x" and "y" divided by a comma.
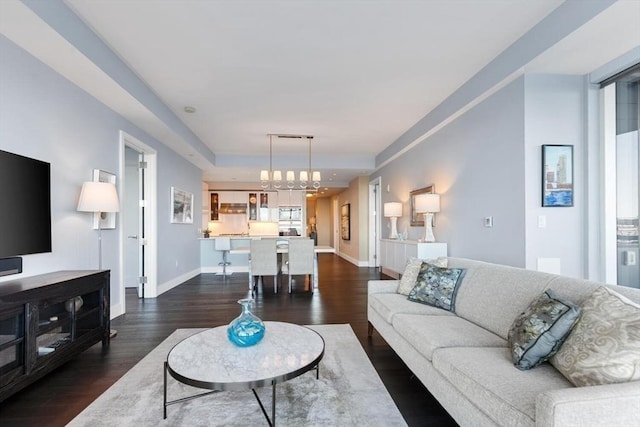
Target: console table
{"x": 47, "y": 320}
{"x": 395, "y": 253}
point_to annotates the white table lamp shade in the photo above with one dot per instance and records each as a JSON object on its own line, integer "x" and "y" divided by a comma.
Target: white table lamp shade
{"x": 427, "y": 203}
{"x": 392, "y": 209}
{"x": 98, "y": 197}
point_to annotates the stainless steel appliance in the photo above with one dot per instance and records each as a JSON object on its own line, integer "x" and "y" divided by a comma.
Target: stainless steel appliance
{"x": 290, "y": 221}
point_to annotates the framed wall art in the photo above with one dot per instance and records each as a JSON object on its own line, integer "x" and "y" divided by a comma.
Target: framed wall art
{"x": 557, "y": 176}
{"x": 181, "y": 206}
{"x": 345, "y": 221}
{"x": 104, "y": 220}
{"x": 417, "y": 219}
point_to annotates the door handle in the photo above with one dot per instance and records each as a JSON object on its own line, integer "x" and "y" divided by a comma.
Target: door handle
{"x": 132, "y": 237}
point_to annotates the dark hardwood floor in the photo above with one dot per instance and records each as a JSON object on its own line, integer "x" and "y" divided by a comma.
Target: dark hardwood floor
{"x": 207, "y": 301}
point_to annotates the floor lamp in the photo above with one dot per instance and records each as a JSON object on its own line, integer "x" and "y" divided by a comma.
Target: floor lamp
{"x": 99, "y": 198}
{"x": 428, "y": 204}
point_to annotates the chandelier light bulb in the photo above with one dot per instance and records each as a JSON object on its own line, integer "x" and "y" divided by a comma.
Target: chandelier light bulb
{"x": 273, "y": 178}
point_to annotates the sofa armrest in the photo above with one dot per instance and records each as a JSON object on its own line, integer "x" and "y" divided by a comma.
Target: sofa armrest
{"x": 382, "y": 286}
{"x": 604, "y": 405}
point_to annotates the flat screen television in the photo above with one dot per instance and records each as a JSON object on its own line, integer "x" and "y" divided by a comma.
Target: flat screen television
{"x": 25, "y": 205}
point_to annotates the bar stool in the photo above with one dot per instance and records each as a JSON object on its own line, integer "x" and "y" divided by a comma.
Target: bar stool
{"x": 223, "y": 244}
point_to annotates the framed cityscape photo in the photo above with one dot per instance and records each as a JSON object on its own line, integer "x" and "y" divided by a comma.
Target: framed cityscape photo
{"x": 557, "y": 176}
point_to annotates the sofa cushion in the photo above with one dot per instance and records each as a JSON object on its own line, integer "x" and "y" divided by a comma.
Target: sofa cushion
{"x": 388, "y": 305}
{"x": 493, "y": 295}
{"x": 411, "y": 271}
{"x": 428, "y": 333}
{"x": 539, "y": 331}
{"x": 437, "y": 286}
{"x": 604, "y": 346}
{"x": 486, "y": 377}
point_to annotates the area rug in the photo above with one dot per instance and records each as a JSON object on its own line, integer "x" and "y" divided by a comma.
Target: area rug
{"x": 348, "y": 393}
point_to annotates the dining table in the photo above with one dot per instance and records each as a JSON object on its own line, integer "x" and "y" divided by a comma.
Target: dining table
{"x": 283, "y": 249}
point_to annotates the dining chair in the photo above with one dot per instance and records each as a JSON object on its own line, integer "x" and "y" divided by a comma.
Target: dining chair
{"x": 263, "y": 261}
{"x": 282, "y": 247}
{"x": 301, "y": 259}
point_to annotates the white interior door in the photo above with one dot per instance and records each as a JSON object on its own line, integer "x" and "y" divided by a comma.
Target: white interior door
{"x": 138, "y": 235}
{"x": 374, "y": 222}
{"x": 336, "y": 225}
{"x": 134, "y": 221}
{"x": 142, "y": 212}
{"x": 131, "y": 219}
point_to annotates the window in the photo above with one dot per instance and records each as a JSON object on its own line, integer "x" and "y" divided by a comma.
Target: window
{"x": 621, "y": 95}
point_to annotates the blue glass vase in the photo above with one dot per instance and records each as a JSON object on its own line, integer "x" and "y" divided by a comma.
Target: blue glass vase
{"x": 247, "y": 329}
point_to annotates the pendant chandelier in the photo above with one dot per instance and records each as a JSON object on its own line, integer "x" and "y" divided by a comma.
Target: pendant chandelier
{"x": 273, "y": 178}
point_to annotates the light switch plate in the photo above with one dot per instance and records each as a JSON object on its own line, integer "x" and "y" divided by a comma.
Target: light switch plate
{"x": 542, "y": 221}
{"x": 488, "y": 221}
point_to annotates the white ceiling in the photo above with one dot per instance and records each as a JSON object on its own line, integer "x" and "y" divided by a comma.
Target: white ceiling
{"x": 354, "y": 74}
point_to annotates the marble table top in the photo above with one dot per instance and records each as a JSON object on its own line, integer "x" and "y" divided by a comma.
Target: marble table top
{"x": 209, "y": 360}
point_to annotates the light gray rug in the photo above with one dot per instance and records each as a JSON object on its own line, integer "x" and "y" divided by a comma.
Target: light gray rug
{"x": 348, "y": 393}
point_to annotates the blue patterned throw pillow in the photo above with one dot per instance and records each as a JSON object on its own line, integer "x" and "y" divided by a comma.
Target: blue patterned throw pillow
{"x": 539, "y": 331}
{"x": 437, "y": 286}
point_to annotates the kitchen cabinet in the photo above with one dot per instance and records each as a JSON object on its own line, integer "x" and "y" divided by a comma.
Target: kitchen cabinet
{"x": 234, "y": 196}
{"x": 291, "y": 197}
{"x": 267, "y": 205}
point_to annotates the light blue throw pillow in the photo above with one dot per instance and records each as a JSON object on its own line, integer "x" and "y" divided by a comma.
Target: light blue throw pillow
{"x": 539, "y": 331}
{"x": 437, "y": 286}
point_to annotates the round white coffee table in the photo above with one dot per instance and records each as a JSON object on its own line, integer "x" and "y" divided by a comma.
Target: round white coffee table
{"x": 209, "y": 360}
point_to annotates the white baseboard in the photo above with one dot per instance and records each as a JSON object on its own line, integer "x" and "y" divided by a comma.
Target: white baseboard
{"x": 353, "y": 261}
{"x": 115, "y": 311}
{"x": 218, "y": 269}
{"x": 166, "y": 286}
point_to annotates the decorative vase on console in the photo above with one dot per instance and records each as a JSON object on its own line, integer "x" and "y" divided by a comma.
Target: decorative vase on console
{"x": 247, "y": 329}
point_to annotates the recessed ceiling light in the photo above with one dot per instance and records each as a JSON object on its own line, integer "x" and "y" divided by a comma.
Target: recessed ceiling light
{"x": 190, "y": 110}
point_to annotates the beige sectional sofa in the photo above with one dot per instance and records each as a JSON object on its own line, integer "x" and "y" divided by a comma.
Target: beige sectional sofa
{"x": 464, "y": 361}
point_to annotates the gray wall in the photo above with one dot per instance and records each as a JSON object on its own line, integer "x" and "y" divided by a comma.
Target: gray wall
{"x": 477, "y": 166}
{"x": 487, "y": 162}
{"x": 43, "y": 115}
{"x": 555, "y": 114}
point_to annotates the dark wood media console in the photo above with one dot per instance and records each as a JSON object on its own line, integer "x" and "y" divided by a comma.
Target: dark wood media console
{"x": 43, "y": 323}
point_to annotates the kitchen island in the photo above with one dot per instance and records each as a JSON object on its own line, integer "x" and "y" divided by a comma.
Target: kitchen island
{"x": 238, "y": 255}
